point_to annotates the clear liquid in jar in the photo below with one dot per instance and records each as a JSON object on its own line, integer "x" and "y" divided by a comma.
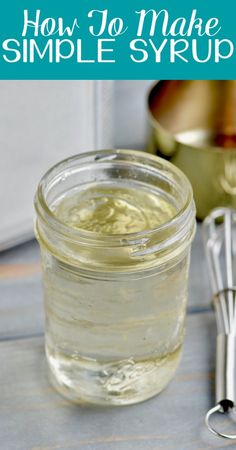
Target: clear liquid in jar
{"x": 113, "y": 337}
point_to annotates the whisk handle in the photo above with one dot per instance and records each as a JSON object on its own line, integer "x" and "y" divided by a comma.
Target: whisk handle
{"x": 225, "y": 370}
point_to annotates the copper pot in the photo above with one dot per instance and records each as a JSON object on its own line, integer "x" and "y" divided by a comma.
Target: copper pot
{"x": 193, "y": 124}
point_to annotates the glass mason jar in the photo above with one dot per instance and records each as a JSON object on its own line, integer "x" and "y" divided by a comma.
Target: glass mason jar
{"x": 115, "y": 281}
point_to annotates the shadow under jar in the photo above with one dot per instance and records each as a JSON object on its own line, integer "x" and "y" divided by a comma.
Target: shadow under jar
{"x": 115, "y": 230}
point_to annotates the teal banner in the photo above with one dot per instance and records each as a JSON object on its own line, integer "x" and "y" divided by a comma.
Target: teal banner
{"x": 107, "y": 39}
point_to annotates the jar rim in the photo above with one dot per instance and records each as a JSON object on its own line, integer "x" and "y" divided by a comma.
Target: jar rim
{"x": 46, "y": 213}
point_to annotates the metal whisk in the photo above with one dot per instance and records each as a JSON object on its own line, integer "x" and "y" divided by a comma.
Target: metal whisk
{"x": 218, "y": 239}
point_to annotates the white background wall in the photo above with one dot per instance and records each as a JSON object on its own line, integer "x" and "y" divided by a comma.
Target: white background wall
{"x": 130, "y": 114}
{"x": 42, "y": 122}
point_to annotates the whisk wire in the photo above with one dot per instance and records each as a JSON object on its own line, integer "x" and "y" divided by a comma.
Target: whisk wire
{"x": 218, "y": 237}
{"x": 214, "y": 244}
{"x": 229, "y": 265}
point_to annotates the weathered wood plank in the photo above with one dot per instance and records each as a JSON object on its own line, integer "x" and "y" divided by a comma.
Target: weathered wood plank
{"x": 21, "y": 307}
{"x": 21, "y": 310}
{"x": 27, "y": 253}
{"x": 15, "y": 271}
{"x": 34, "y": 417}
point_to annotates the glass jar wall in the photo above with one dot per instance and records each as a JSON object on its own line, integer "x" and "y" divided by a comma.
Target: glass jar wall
{"x": 115, "y": 230}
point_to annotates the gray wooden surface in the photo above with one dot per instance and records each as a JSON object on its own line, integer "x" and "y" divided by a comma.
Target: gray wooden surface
{"x": 34, "y": 417}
